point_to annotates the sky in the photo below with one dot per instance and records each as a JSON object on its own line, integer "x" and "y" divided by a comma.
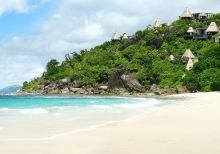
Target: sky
{"x": 34, "y": 31}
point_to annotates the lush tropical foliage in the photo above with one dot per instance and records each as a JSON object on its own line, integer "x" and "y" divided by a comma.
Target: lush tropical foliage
{"x": 147, "y": 57}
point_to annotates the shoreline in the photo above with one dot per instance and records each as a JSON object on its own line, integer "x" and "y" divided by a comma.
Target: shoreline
{"x": 190, "y": 125}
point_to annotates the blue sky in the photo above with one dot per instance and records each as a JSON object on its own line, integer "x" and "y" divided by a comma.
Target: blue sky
{"x": 15, "y": 23}
{"x": 34, "y": 31}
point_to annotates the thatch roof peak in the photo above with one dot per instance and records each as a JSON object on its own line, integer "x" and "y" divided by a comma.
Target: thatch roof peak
{"x": 172, "y": 58}
{"x": 125, "y": 36}
{"x": 188, "y": 54}
{"x": 116, "y": 36}
{"x": 190, "y": 30}
{"x": 157, "y": 24}
{"x": 186, "y": 13}
{"x": 213, "y": 28}
{"x": 190, "y": 64}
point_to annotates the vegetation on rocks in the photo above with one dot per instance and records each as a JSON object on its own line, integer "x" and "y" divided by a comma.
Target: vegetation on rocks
{"x": 145, "y": 56}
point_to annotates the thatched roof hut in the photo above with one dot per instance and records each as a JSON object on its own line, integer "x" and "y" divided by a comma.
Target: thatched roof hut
{"x": 186, "y": 14}
{"x": 189, "y": 65}
{"x": 116, "y": 36}
{"x": 188, "y": 54}
{"x": 190, "y": 30}
{"x": 125, "y": 36}
{"x": 157, "y": 24}
{"x": 213, "y": 28}
{"x": 172, "y": 58}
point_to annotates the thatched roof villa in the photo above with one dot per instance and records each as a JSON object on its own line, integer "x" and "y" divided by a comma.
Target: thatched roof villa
{"x": 125, "y": 36}
{"x": 116, "y": 37}
{"x": 190, "y": 31}
{"x": 188, "y": 54}
{"x": 212, "y": 29}
{"x": 198, "y": 16}
{"x": 190, "y": 65}
{"x": 157, "y": 24}
{"x": 172, "y": 58}
{"x": 186, "y": 14}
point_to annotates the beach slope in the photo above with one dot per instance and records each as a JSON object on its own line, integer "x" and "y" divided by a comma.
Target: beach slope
{"x": 191, "y": 126}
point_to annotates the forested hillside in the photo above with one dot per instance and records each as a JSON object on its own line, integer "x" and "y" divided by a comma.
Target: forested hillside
{"x": 146, "y": 57}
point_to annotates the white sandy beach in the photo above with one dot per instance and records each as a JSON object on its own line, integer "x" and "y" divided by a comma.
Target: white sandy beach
{"x": 191, "y": 126}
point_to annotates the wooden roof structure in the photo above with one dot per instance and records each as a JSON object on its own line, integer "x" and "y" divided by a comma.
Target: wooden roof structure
{"x": 125, "y": 36}
{"x": 186, "y": 13}
{"x": 190, "y": 30}
{"x": 157, "y": 24}
{"x": 188, "y": 54}
{"x": 213, "y": 28}
{"x": 190, "y": 64}
{"x": 116, "y": 36}
{"x": 172, "y": 58}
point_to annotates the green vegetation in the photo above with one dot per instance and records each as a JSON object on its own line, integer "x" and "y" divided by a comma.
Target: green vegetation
{"x": 147, "y": 57}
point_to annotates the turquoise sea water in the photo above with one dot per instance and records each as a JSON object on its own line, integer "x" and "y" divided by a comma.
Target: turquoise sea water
{"x": 40, "y": 117}
{"x": 24, "y": 102}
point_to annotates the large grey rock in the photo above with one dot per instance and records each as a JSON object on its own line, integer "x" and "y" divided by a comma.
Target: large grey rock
{"x": 51, "y": 86}
{"x": 132, "y": 84}
{"x": 165, "y": 91}
{"x": 118, "y": 81}
{"x": 115, "y": 81}
{"x": 182, "y": 90}
{"x": 65, "y": 81}
{"x": 154, "y": 88}
{"x": 103, "y": 88}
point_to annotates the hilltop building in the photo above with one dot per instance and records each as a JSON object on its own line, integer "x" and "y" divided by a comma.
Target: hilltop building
{"x": 189, "y": 58}
{"x": 186, "y": 14}
{"x": 157, "y": 24}
{"x": 196, "y": 16}
{"x": 189, "y": 65}
{"x": 212, "y": 29}
{"x": 188, "y": 54}
{"x": 125, "y": 36}
{"x": 202, "y": 33}
{"x": 217, "y": 39}
{"x": 172, "y": 58}
{"x": 117, "y": 37}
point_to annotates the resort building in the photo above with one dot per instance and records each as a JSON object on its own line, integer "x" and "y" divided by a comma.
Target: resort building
{"x": 190, "y": 31}
{"x": 172, "y": 58}
{"x": 157, "y": 24}
{"x": 197, "y": 16}
{"x": 189, "y": 58}
{"x": 125, "y": 36}
{"x": 202, "y": 16}
{"x": 212, "y": 29}
{"x": 188, "y": 55}
{"x": 116, "y": 37}
{"x": 186, "y": 14}
{"x": 189, "y": 65}
{"x": 202, "y": 33}
{"x": 217, "y": 39}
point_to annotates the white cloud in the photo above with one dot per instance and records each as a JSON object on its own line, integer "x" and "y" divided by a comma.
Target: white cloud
{"x": 80, "y": 24}
{"x": 20, "y": 6}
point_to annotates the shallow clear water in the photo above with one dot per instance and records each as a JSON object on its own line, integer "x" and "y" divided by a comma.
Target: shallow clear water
{"x": 44, "y": 117}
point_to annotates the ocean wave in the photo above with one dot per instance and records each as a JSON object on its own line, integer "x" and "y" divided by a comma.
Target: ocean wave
{"x": 34, "y": 111}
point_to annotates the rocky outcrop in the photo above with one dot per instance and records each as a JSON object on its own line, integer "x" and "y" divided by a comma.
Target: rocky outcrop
{"x": 156, "y": 42}
{"x": 115, "y": 81}
{"x": 120, "y": 81}
{"x": 131, "y": 84}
